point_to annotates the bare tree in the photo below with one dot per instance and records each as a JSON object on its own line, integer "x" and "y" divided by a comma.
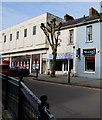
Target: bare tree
{"x": 52, "y": 32}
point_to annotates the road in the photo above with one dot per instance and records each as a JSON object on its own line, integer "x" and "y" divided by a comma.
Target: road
{"x": 68, "y": 101}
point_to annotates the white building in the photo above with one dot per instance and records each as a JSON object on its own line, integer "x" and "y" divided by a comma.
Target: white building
{"x": 66, "y": 48}
{"x": 25, "y": 44}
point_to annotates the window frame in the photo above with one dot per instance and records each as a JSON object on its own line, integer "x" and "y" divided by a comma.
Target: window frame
{"x": 71, "y": 36}
{"x": 85, "y": 69}
{"x": 89, "y": 34}
{"x": 10, "y": 36}
{"x": 17, "y": 35}
{"x": 5, "y": 38}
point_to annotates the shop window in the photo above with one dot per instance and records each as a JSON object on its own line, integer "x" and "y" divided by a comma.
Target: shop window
{"x": 90, "y": 64}
{"x": 89, "y": 33}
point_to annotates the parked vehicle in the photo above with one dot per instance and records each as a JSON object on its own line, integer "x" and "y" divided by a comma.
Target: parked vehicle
{"x": 19, "y": 71}
{"x": 5, "y": 69}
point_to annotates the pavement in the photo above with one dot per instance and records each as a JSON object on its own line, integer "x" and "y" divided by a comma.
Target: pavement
{"x": 77, "y": 81}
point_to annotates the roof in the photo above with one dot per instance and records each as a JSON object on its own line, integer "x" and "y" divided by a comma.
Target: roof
{"x": 84, "y": 20}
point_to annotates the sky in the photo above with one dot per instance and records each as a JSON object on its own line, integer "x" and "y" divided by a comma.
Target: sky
{"x": 15, "y": 12}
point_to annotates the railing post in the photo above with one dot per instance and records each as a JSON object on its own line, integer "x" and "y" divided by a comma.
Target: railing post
{"x": 41, "y": 107}
{"x": 6, "y": 92}
{"x": 20, "y": 99}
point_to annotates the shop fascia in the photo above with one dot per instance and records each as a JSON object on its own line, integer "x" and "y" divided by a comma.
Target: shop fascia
{"x": 62, "y": 56}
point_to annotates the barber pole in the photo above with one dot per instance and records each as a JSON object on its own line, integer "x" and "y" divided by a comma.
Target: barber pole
{"x": 27, "y": 64}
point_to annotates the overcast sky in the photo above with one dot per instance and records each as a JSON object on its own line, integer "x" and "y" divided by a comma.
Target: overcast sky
{"x": 16, "y": 12}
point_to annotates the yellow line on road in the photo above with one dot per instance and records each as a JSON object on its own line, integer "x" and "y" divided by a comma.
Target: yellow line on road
{"x": 67, "y": 85}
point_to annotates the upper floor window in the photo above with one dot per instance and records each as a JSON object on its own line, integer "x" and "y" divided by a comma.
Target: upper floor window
{"x": 10, "y": 37}
{"x": 25, "y": 32}
{"x": 4, "y": 38}
{"x": 71, "y": 36}
{"x": 17, "y": 35}
{"x": 34, "y": 30}
{"x": 89, "y": 33}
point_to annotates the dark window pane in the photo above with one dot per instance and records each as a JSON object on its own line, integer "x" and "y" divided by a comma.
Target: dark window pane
{"x": 5, "y": 38}
{"x": 89, "y": 63}
{"x": 10, "y": 37}
{"x": 25, "y": 32}
{"x": 58, "y": 65}
{"x": 34, "y": 30}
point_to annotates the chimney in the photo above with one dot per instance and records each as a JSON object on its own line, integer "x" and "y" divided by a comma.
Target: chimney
{"x": 68, "y": 17}
{"x": 92, "y": 12}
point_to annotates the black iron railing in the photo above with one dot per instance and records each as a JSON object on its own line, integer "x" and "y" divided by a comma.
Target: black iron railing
{"x": 21, "y": 102}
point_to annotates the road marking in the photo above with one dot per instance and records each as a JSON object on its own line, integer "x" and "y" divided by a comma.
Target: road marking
{"x": 67, "y": 85}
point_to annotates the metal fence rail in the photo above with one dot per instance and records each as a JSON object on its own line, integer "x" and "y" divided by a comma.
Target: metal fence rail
{"x": 20, "y": 101}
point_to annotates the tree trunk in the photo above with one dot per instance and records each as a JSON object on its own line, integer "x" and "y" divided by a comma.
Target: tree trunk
{"x": 54, "y": 63}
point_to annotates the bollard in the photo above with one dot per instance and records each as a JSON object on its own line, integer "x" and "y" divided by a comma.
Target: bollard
{"x": 20, "y": 98}
{"x": 6, "y": 93}
{"x": 68, "y": 76}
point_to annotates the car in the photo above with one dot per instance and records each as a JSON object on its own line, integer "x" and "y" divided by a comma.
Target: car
{"x": 19, "y": 71}
{"x": 5, "y": 69}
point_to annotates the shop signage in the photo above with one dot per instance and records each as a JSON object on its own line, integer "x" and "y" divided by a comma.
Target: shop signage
{"x": 61, "y": 56}
{"x": 89, "y": 51}
{"x": 28, "y": 56}
{"x": 6, "y": 59}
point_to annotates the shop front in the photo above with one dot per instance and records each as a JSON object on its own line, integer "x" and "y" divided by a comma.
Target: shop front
{"x": 31, "y": 62}
{"x": 89, "y": 58}
{"x": 64, "y": 62}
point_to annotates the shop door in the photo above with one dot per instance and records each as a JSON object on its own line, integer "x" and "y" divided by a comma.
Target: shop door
{"x": 44, "y": 67}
